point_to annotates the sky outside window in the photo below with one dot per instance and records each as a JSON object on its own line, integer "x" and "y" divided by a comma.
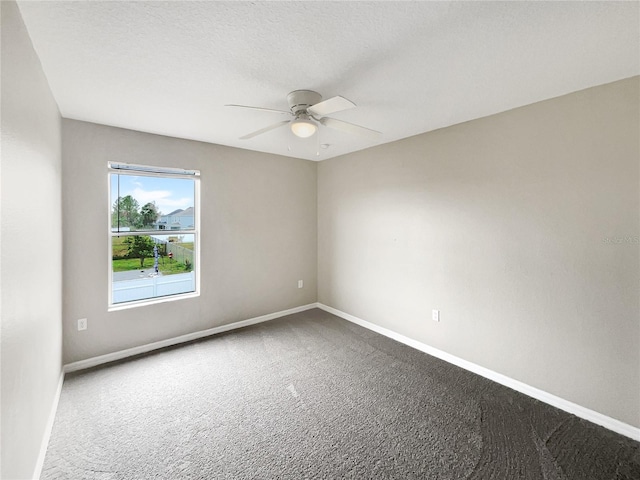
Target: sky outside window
{"x": 169, "y": 194}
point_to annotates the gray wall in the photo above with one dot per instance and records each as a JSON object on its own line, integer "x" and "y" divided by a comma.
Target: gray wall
{"x": 502, "y": 224}
{"x": 258, "y": 232}
{"x": 31, "y": 255}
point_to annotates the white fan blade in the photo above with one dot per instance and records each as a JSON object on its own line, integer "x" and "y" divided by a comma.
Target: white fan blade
{"x": 332, "y": 105}
{"x": 350, "y": 127}
{"x": 264, "y": 130}
{"x": 259, "y": 108}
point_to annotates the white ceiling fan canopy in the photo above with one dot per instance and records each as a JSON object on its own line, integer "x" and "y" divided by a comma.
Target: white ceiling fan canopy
{"x": 301, "y": 100}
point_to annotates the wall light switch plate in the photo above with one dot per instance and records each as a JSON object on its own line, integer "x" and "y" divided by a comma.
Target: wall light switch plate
{"x": 300, "y": 283}
{"x": 82, "y": 324}
{"x": 435, "y": 314}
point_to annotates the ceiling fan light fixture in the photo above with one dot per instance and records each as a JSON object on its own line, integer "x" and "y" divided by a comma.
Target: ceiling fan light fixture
{"x": 303, "y": 127}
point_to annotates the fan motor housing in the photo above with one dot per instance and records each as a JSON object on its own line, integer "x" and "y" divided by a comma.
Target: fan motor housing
{"x": 300, "y": 100}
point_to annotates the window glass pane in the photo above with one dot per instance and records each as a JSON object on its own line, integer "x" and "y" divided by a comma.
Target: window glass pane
{"x": 144, "y": 203}
{"x": 150, "y": 266}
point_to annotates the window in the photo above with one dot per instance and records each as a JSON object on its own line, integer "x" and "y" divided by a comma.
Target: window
{"x": 154, "y": 233}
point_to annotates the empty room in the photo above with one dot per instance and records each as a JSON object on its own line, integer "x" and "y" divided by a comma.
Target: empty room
{"x": 320, "y": 240}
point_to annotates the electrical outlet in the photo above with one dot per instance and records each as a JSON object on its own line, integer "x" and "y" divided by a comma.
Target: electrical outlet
{"x": 82, "y": 324}
{"x": 300, "y": 283}
{"x": 435, "y": 315}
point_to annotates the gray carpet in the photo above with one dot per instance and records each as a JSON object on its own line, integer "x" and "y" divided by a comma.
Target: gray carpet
{"x": 313, "y": 396}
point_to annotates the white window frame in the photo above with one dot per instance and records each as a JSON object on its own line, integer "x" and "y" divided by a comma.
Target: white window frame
{"x": 152, "y": 171}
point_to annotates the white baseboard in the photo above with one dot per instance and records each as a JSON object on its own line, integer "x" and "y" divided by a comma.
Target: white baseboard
{"x": 129, "y": 352}
{"x": 47, "y": 432}
{"x": 570, "y": 407}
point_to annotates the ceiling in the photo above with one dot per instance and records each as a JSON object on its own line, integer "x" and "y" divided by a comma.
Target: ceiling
{"x": 410, "y": 67}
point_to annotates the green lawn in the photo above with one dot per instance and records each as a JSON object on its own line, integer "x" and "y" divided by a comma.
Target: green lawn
{"x": 166, "y": 266}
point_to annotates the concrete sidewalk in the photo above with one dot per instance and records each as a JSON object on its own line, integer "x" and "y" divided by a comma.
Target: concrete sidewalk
{"x": 147, "y": 272}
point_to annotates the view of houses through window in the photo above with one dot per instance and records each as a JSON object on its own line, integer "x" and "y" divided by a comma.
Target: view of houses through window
{"x": 153, "y": 232}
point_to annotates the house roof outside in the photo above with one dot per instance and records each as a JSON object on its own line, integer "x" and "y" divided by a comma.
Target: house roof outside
{"x": 185, "y": 212}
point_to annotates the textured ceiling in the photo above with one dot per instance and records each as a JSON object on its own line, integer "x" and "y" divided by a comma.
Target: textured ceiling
{"x": 411, "y": 67}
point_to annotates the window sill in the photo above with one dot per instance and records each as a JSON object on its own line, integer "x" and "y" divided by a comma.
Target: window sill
{"x": 151, "y": 301}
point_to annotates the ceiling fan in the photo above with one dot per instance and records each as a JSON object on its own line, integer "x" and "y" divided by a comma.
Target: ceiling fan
{"x": 308, "y": 110}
